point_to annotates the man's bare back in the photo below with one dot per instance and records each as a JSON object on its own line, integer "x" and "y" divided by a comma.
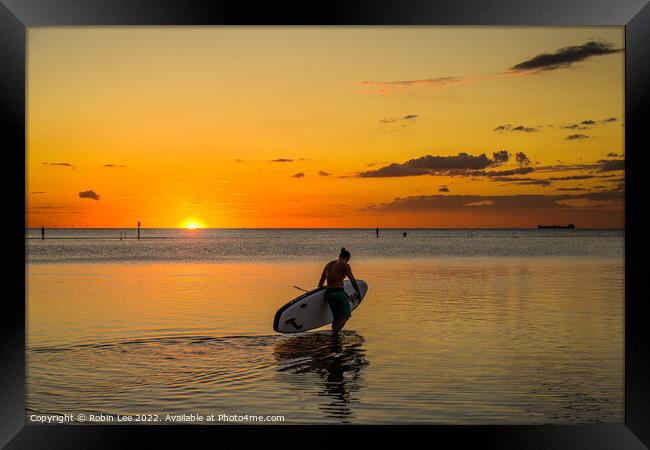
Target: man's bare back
{"x": 336, "y": 271}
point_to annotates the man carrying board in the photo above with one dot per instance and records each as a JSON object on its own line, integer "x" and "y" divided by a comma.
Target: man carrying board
{"x": 335, "y": 272}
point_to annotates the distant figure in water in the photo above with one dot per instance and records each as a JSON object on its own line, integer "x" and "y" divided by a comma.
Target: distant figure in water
{"x": 335, "y": 272}
{"x": 404, "y": 234}
{"x": 42, "y": 232}
{"x": 377, "y": 232}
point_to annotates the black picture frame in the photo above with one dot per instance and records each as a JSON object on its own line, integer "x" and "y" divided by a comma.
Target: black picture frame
{"x": 16, "y": 15}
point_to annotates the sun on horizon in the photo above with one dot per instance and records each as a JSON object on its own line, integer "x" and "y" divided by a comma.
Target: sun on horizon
{"x": 191, "y": 224}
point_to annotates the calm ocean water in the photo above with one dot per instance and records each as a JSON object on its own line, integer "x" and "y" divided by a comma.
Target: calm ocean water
{"x": 458, "y": 327}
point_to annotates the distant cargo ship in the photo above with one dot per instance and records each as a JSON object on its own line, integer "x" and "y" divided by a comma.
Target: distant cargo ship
{"x": 570, "y": 226}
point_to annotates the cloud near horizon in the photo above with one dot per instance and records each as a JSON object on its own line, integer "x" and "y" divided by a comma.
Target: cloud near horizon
{"x": 494, "y": 202}
{"x": 607, "y": 165}
{"x": 282, "y": 160}
{"x": 298, "y": 175}
{"x": 523, "y": 181}
{"x": 89, "y": 194}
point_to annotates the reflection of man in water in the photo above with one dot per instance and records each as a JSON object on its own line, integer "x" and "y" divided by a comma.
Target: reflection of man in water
{"x": 335, "y": 272}
{"x": 339, "y": 364}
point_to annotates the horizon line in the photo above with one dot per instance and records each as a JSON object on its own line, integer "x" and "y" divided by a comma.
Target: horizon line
{"x": 320, "y": 228}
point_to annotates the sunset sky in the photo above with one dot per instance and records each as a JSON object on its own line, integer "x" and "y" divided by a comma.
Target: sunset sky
{"x": 325, "y": 126}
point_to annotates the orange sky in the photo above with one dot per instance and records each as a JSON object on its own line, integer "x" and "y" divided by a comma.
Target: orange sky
{"x": 314, "y": 126}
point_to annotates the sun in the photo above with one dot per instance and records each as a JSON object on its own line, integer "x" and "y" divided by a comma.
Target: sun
{"x": 191, "y": 224}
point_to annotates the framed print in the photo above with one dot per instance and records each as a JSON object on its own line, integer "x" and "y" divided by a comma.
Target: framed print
{"x": 347, "y": 218}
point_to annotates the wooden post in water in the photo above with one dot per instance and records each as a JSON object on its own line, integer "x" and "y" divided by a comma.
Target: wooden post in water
{"x": 42, "y": 232}
{"x": 138, "y": 230}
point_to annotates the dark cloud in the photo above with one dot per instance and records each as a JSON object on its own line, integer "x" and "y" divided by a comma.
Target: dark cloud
{"x": 443, "y": 189}
{"x": 239, "y": 160}
{"x": 408, "y": 117}
{"x": 607, "y": 165}
{"x": 38, "y": 192}
{"x": 438, "y": 202}
{"x": 572, "y": 189}
{"x": 546, "y": 181}
{"x": 501, "y": 173}
{"x": 573, "y": 177}
{"x": 575, "y": 126}
{"x": 522, "y": 181}
{"x": 432, "y": 165}
{"x": 524, "y": 129}
{"x": 509, "y": 127}
{"x": 323, "y": 174}
{"x": 114, "y": 165}
{"x": 613, "y": 155}
{"x": 63, "y": 164}
{"x": 567, "y": 56}
{"x": 89, "y": 194}
{"x": 462, "y": 164}
{"x": 501, "y": 156}
{"x": 587, "y": 124}
{"x": 566, "y": 167}
{"x": 522, "y": 159}
{"x": 439, "y": 81}
{"x": 298, "y": 175}
{"x": 394, "y": 170}
{"x": 573, "y": 137}
{"x": 282, "y": 160}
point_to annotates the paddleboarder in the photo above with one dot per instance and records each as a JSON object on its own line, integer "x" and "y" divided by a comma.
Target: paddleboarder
{"x": 335, "y": 272}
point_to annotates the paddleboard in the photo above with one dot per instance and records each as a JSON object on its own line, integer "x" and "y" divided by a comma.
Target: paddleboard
{"x": 310, "y": 310}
